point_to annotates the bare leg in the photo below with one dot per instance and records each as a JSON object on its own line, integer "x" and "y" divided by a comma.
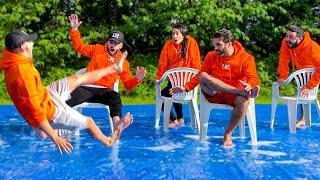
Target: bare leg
{"x": 209, "y": 84}
{"x": 238, "y": 114}
{"x": 109, "y": 141}
{"x": 93, "y": 76}
{"x": 301, "y": 121}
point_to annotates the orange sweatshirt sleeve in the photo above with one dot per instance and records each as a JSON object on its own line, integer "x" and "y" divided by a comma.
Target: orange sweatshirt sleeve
{"x": 250, "y": 72}
{"x": 129, "y": 81}
{"x": 284, "y": 60}
{"x": 315, "y": 58}
{"x": 79, "y": 46}
{"x": 31, "y": 100}
{"x": 194, "y": 57}
{"x": 163, "y": 61}
{"x": 207, "y": 63}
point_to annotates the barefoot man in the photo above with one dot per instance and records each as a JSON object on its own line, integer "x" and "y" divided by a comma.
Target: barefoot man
{"x": 44, "y": 108}
{"x": 227, "y": 76}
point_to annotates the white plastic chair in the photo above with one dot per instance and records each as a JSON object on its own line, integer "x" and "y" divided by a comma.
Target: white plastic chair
{"x": 301, "y": 78}
{"x": 79, "y": 107}
{"x": 177, "y": 77}
{"x": 206, "y": 107}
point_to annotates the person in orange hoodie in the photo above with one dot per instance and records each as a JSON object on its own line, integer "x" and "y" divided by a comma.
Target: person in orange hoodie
{"x": 103, "y": 56}
{"x": 44, "y": 108}
{"x": 228, "y": 76}
{"x": 180, "y": 51}
{"x": 299, "y": 49}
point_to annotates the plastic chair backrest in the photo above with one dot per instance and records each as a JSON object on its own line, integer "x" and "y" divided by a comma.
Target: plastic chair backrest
{"x": 301, "y": 78}
{"x": 179, "y": 77}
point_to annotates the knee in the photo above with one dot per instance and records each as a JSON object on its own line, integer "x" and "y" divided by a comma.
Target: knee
{"x": 203, "y": 76}
{"x": 242, "y": 101}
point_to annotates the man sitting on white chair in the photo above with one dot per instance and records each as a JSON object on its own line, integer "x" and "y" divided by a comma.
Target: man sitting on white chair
{"x": 227, "y": 76}
{"x": 103, "y": 56}
{"x": 303, "y": 52}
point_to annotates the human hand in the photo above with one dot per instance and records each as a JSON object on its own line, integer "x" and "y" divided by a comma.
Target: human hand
{"x": 246, "y": 86}
{"x": 305, "y": 91}
{"x": 74, "y": 22}
{"x": 62, "y": 144}
{"x": 281, "y": 81}
{"x": 140, "y": 72}
{"x": 177, "y": 89}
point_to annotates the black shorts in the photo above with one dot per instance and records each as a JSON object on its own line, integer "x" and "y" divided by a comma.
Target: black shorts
{"x": 104, "y": 96}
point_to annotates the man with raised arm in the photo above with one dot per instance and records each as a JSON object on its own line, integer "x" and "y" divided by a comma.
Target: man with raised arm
{"x": 44, "y": 108}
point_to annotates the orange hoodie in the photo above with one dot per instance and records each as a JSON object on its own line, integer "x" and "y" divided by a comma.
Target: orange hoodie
{"x": 169, "y": 59}
{"x": 100, "y": 58}
{"x": 24, "y": 86}
{"x": 239, "y": 66}
{"x": 305, "y": 55}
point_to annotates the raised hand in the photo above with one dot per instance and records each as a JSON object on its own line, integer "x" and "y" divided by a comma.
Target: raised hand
{"x": 74, "y": 21}
{"x": 140, "y": 72}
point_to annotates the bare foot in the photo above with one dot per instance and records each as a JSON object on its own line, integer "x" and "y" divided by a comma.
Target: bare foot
{"x": 176, "y": 123}
{"x": 120, "y": 61}
{"x": 301, "y": 123}
{"x": 227, "y": 141}
{"x": 124, "y": 122}
{"x": 172, "y": 124}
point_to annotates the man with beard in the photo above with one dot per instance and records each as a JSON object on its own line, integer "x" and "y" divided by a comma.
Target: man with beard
{"x": 228, "y": 76}
{"x": 103, "y": 56}
{"x": 299, "y": 49}
{"x": 44, "y": 108}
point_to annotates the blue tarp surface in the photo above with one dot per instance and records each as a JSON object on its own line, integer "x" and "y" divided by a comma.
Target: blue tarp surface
{"x": 147, "y": 153}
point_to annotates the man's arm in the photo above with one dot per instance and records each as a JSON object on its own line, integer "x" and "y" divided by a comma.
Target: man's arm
{"x": 61, "y": 143}
{"x": 284, "y": 60}
{"x": 129, "y": 81}
{"x": 77, "y": 43}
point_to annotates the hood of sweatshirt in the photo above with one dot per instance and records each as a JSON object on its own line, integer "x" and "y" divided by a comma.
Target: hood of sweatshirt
{"x": 10, "y": 59}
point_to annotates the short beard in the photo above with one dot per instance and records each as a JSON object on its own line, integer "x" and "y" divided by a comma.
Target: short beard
{"x": 292, "y": 45}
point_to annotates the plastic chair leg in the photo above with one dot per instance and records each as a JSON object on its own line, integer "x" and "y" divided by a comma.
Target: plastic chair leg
{"x": 110, "y": 119}
{"x": 167, "y": 109}
{"x": 307, "y": 114}
{"x": 194, "y": 114}
{"x": 318, "y": 107}
{"x": 204, "y": 118}
{"x": 158, "y": 113}
{"x": 242, "y": 127}
{"x": 273, "y": 111}
{"x": 292, "y": 113}
{"x": 252, "y": 126}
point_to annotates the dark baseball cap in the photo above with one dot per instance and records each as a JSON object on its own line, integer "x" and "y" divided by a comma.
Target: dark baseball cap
{"x": 17, "y": 37}
{"x": 116, "y": 36}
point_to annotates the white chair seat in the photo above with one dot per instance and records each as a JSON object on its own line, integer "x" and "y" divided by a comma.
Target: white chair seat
{"x": 206, "y": 107}
{"x": 301, "y": 78}
{"x": 80, "y": 107}
{"x": 177, "y": 77}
